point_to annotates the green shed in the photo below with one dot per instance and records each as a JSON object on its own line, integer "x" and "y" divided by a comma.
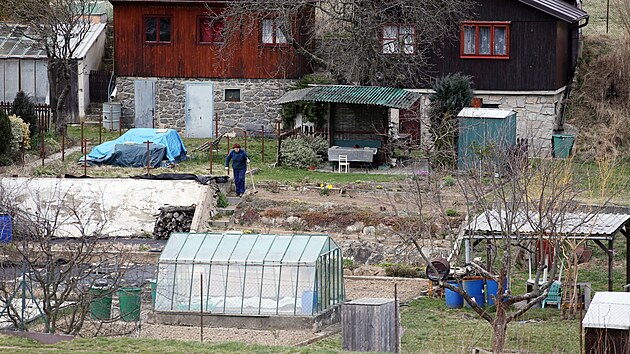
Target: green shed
{"x": 481, "y": 132}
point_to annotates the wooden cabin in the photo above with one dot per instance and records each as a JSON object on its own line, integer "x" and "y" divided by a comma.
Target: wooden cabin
{"x": 173, "y": 71}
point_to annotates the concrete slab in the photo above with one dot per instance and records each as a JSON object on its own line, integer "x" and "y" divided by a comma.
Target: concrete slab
{"x": 116, "y": 206}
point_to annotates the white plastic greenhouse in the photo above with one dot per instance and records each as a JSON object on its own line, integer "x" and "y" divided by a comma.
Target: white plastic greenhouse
{"x": 248, "y": 274}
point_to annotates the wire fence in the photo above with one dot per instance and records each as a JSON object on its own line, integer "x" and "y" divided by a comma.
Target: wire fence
{"x": 604, "y": 17}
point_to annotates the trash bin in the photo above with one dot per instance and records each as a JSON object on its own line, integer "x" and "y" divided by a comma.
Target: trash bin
{"x": 153, "y": 283}
{"x": 129, "y": 302}
{"x": 562, "y": 145}
{"x": 101, "y": 305}
{"x": 453, "y": 299}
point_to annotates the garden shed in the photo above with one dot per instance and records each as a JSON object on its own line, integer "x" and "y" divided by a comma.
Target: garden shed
{"x": 607, "y": 323}
{"x": 249, "y": 275}
{"x": 480, "y": 131}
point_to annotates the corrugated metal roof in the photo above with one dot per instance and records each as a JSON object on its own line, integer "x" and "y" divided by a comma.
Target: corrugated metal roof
{"x": 567, "y": 224}
{"x": 608, "y": 310}
{"x": 364, "y": 95}
{"x": 15, "y": 42}
{"x": 485, "y": 112}
{"x": 558, "y": 9}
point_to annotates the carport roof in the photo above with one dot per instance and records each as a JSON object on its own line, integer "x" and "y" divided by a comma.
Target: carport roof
{"x": 364, "y": 95}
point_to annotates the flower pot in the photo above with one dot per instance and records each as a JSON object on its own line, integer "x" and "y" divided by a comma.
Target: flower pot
{"x": 312, "y": 168}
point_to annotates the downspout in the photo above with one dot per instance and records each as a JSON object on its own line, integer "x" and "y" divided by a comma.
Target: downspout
{"x": 567, "y": 92}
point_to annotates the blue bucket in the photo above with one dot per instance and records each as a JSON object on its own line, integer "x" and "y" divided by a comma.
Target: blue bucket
{"x": 474, "y": 288}
{"x": 6, "y": 228}
{"x": 453, "y": 299}
{"x": 492, "y": 289}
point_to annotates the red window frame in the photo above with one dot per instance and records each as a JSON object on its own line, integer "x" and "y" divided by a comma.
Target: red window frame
{"x": 157, "y": 29}
{"x": 492, "y": 25}
{"x": 216, "y": 35}
{"x": 400, "y": 49}
{"x": 274, "y": 39}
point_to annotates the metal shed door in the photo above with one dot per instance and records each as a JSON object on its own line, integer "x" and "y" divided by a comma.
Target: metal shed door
{"x": 144, "y": 91}
{"x": 199, "y": 110}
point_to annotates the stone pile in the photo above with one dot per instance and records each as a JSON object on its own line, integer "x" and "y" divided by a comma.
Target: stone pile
{"x": 173, "y": 219}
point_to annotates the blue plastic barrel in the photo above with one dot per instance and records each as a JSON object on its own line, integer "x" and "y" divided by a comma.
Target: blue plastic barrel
{"x": 453, "y": 299}
{"x": 473, "y": 286}
{"x": 492, "y": 289}
{"x": 6, "y": 228}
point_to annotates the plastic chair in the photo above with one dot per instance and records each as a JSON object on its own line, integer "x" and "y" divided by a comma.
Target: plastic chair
{"x": 554, "y": 295}
{"x": 343, "y": 162}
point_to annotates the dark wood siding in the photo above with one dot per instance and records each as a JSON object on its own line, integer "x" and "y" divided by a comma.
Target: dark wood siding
{"x": 539, "y": 51}
{"x": 185, "y": 58}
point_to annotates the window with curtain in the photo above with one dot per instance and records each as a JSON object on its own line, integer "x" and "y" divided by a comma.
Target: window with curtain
{"x": 398, "y": 38}
{"x": 157, "y": 29}
{"x": 485, "y": 40}
{"x": 272, "y": 31}
{"x": 210, "y": 30}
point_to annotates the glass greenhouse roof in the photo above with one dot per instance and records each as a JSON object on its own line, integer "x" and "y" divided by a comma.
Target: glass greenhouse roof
{"x": 238, "y": 248}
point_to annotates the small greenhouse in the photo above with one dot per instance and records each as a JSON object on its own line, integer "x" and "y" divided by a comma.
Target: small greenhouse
{"x": 249, "y": 274}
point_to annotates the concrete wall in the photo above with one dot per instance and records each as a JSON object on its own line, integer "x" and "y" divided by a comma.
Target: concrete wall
{"x": 536, "y": 115}
{"x": 315, "y": 323}
{"x": 121, "y": 207}
{"x": 92, "y": 61}
{"x": 256, "y": 107}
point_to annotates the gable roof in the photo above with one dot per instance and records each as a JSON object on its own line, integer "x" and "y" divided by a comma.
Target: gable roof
{"x": 558, "y": 9}
{"x": 364, "y": 95}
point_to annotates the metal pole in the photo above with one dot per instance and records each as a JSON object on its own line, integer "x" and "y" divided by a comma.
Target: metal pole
{"x": 210, "y": 157}
{"x": 610, "y": 264}
{"x": 23, "y": 285}
{"x": 396, "y": 324}
{"x": 81, "y": 137}
{"x": 245, "y": 142}
{"x": 63, "y": 144}
{"x": 84, "y": 147}
{"x": 153, "y": 118}
{"x": 607, "y": 13}
{"x": 43, "y": 150}
{"x": 120, "y": 126}
{"x": 148, "y": 157}
{"x": 23, "y": 151}
{"x": 263, "y": 143}
{"x": 100, "y": 129}
{"x": 216, "y": 125}
{"x": 201, "y": 303}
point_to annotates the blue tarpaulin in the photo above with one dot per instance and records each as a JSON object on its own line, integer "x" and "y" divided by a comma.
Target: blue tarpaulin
{"x": 107, "y": 152}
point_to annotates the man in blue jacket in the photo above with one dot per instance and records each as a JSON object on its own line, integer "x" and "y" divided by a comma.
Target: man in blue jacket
{"x": 239, "y": 166}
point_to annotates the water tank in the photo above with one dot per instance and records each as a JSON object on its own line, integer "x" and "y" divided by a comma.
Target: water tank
{"x": 111, "y": 115}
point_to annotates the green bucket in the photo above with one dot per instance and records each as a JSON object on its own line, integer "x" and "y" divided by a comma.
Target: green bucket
{"x": 101, "y": 305}
{"x": 562, "y": 145}
{"x": 129, "y": 301}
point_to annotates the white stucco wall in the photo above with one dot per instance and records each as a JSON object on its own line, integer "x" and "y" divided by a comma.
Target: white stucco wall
{"x": 91, "y": 61}
{"x": 124, "y": 207}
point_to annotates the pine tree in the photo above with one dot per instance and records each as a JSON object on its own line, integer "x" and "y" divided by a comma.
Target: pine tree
{"x": 5, "y": 133}
{"x": 24, "y": 108}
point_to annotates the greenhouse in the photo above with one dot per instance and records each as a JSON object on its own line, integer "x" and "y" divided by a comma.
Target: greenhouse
{"x": 249, "y": 274}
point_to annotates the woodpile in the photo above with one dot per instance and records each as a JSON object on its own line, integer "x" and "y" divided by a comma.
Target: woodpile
{"x": 173, "y": 219}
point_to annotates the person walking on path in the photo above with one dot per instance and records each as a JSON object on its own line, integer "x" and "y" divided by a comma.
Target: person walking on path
{"x": 239, "y": 166}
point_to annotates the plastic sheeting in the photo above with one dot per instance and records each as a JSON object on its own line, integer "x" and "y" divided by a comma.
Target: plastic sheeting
{"x": 130, "y": 149}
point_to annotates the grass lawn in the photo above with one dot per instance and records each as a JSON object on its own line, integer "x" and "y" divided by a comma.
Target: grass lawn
{"x": 132, "y": 345}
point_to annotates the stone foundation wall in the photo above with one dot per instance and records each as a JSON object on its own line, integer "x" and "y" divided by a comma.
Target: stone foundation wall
{"x": 536, "y": 116}
{"x": 256, "y": 107}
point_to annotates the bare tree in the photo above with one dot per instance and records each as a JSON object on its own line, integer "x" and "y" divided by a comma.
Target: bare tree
{"x": 526, "y": 203}
{"x": 61, "y": 270}
{"x": 367, "y": 42}
{"x": 58, "y": 27}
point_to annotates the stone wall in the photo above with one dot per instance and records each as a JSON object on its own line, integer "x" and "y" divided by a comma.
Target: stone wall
{"x": 536, "y": 115}
{"x": 256, "y": 107}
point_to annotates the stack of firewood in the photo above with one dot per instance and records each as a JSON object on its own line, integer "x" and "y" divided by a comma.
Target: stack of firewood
{"x": 173, "y": 219}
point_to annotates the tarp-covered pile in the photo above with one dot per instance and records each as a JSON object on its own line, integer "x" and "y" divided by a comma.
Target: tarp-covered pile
{"x": 130, "y": 149}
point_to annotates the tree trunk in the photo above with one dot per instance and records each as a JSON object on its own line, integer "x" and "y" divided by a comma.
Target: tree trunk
{"x": 499, "y": 327}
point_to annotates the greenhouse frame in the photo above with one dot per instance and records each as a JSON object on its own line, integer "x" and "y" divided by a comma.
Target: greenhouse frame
{"x": 249, "y": 274}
